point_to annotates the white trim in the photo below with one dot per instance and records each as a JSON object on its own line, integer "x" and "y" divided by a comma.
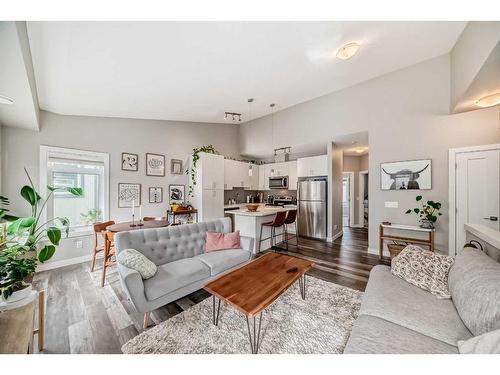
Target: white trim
{"x": 361, "y": 207}
{"x": 350, "y": 175}
{"x": 452, "y": 157}
{"x": 62, "y": 263}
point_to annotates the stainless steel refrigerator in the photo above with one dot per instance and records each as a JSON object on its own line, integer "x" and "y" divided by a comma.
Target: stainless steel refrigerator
{"x": 312, "y": 208}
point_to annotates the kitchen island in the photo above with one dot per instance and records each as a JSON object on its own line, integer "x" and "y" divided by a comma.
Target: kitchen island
{"x": 249, "y": 224}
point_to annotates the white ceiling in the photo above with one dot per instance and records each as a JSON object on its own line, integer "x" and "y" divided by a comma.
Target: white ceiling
{"x": 194, "y": 71}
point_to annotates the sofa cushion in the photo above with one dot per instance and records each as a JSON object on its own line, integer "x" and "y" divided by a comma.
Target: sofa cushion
{"x": 371, "y": 335}
{"x": 222, "y": 241}
{"x": 424, "y": 269}
{"x": 393, "y": 299}
{"x": 487, "y": 343}
{"x": 474, "y": 283}
{"x": 175, "y": 275}
{"x": 133, "y": 259}
{"x": 222, "y": 260}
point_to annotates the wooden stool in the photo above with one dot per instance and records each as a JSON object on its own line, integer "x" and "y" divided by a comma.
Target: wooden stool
{"x": 109, "y": 253}
{"x": 291, "y": 218}
{"x": 279, "y": 221}
{"x": 99, "y": 229}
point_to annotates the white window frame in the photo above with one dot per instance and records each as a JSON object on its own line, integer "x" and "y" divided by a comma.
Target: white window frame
{"x": 47, "y": 152}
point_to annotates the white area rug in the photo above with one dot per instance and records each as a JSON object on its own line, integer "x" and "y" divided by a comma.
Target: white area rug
{"x": 320, "y": 324}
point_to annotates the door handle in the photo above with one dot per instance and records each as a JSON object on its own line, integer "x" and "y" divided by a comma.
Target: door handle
{"x": 491, "y": 218}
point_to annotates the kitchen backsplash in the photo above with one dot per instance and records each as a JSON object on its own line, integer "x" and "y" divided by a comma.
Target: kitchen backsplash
{"x": 240, "y": 194}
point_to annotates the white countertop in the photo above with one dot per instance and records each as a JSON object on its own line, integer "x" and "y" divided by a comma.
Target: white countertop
{"x": 484, "y": 233}
{"x": 261, "y": 211}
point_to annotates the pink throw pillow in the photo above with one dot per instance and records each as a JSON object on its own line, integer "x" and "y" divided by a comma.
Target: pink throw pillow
{"x": 222, "y": 241}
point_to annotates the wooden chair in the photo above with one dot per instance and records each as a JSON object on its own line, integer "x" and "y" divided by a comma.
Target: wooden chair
{"x": 109, "y": 253}
{"x": 154, "y": 218}
{"x": 99, "y": 229}
{"x": 279, "y": 221}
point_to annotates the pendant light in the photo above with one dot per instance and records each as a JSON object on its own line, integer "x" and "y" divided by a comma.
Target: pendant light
{"x": 250, "y": 101}
{"x": 272, "y": 135}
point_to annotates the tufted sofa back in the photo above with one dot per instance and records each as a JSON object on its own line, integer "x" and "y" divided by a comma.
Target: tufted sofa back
{"x": 164, "y": 245}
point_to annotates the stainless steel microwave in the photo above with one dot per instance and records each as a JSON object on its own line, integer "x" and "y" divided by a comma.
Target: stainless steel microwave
{"x": 278, "y": 182}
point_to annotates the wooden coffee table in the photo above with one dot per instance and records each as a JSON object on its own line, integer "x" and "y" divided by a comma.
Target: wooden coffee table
{"x": 253, "y": 287}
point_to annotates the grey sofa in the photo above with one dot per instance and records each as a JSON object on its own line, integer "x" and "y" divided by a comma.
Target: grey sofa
{"x": 183, "y": 267}
{"x": 397, "y": 317}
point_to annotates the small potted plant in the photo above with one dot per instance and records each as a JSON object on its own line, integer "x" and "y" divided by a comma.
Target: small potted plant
{"x": 28, "y": 242}
{"x": 428, "y": 212}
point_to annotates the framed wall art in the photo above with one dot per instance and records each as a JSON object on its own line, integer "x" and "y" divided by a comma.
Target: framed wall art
{"x": 130, "y": 162}
{"x": 128, "y": 193}
{"x": 176, "y": 166}
{"x": 406, "y": 175}
{"x": 176, "y": 193}
{"x": 155, "y": 165}
{"x": 155, "y": 195}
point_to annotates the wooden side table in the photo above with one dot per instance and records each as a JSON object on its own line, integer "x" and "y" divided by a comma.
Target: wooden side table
{"x": 181, "y": 213}
{"x": 417, "y": 241}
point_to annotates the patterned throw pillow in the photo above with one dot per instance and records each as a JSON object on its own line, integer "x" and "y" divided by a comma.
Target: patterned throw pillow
{"x": 423, "y": 268}
{"x": 133, "y": 259}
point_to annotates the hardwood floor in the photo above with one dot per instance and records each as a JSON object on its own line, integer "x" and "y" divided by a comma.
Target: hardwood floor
{"x": 82, "y": 317}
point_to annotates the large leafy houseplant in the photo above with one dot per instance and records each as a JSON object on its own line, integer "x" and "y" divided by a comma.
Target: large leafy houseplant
{"x": 427, "y": 212}
{"x": 29, "y": 240}
{"x": 195, "y": 157}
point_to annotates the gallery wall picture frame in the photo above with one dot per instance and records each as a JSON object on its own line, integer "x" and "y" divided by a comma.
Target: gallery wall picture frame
{"x": 128, "y": 192}
{"x": 155, "y": 195}
{"x": 406, "y": 175}
{"x": 130, "y": 162}
{"x": 176, "y": 166}
{"x": 176, "y": 193}
{"x": 155, "y": 165}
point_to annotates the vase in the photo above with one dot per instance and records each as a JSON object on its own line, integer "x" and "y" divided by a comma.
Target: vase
{"x": 426, "y": 224}
{"x": 19, "y": 295}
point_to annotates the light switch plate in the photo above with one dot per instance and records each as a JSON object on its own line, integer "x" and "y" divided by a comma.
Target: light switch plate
{"x": 391, "y": 204}
{"x": 78, "y": 244}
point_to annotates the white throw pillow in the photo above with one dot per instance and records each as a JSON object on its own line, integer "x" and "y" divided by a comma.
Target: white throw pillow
{"x": 487, "y": 343}
{"x": 133, "y": 259}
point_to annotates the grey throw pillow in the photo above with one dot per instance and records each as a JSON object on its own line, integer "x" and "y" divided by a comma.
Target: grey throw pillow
{"x": 423, "y": 268}
{"x": 135, "y": 260}
{"x": 474, "y": 283}
{"x": 487, "y": 343}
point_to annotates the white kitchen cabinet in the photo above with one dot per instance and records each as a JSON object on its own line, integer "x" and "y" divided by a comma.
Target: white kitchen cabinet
{"x": 312, "y": 166}
{"x": 236, "y": 174}
{"x": 292, "y": 175}
{"x": 280, "y": 169}
{"x": 230, "y": 173}
{"x": 212, "y": 206}
{"x": 264, "y": 174}
{"x": 210, "y": 171}
{"x": 254, "y": 178}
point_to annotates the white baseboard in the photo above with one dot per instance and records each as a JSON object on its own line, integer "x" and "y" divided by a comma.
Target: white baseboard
{"x": 335, "y": 236}
{"x": 62, "y": 263}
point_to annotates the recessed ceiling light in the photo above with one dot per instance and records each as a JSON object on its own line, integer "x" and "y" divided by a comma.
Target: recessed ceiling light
{"x": 489, "y": 101}
{"x": 347, "y": 51}
{"x": 6, "y": 100}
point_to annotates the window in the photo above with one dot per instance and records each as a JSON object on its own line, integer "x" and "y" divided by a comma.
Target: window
{"x": 64, "y": 168}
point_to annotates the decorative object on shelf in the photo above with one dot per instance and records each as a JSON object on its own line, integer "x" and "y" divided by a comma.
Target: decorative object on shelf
{"x": 155, "y": 165}
{"x": 92, "y": 216}
{"x": 195, "y": 157}
{"x": 176, "y": 193}
{"x": 406, "y": 175}
{"x": 128, "y": 193}
{"x": 155, "y": 195}
{"x": 130, "y": 162}
{"x": 176, "y": 166}
{"x": 428, "y": 212}
{"x": 28, "y": 241}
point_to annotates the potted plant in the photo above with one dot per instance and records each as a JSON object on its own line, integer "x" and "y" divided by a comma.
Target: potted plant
{"x": 428, "y": 212}
{"x": 92, "y": 216}
{"x": 28, "y": 242}
{"x": 195, "y": 157}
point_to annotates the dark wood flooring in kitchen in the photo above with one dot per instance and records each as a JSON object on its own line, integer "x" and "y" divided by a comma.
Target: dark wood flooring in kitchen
{"x": 82, "y": 317}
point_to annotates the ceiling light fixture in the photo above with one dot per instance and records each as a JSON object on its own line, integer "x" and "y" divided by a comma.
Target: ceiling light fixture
{"x": 6, "y": 100}
{"x": 489, "y": 101}
{"x": 347, "y": 50}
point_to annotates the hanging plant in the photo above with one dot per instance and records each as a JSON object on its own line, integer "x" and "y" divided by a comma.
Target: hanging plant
{"x": 195, "y": 157}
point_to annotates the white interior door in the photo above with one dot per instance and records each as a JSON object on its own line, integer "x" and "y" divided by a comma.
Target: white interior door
{"x": 477, "y": 191}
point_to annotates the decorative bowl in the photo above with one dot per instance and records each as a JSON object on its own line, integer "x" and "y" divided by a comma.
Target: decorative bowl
{"x": 252, "y": 207}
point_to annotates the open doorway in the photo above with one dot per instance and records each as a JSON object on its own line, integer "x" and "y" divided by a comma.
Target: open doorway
{"x": 363, "y": 198}
{"x": 347, "y": 199}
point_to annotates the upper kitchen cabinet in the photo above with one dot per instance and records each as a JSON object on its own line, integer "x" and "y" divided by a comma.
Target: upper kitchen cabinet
{"x": 210, "y": 171}
{"x": 312, "y": 166}
{"x": 253, "y": 172}
{"x": 292, "y": 175}
{"x": 240, "y": 174}
{"x": 264, "y": 173}
{"x": 279, "y": 169}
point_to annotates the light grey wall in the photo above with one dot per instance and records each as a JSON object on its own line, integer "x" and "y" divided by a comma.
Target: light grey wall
{"x": 407, "y": 116}
{"x": 20, "y": 148}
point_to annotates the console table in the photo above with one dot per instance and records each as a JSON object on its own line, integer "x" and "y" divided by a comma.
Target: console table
{"x": 407, "y": 228}
{"x": 174, "y": 214}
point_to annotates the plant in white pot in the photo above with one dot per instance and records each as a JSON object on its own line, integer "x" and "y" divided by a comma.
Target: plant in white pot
{"x": 28, "y": 242}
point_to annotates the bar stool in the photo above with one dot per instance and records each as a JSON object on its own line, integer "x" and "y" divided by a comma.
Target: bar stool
{"x": 291, "y": 218}
{"x": 99, "y": 229}
{"x": 279, "y": 221}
